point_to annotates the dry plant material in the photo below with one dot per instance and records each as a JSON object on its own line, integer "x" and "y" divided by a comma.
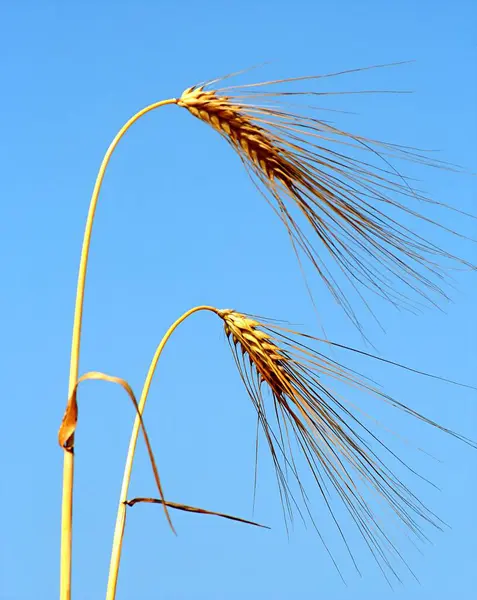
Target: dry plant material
{"x": 363, "y": 211}
{"x": 193, "y": 509}
{"x": 340, "y": 448}
{"x": 70, "y": 421}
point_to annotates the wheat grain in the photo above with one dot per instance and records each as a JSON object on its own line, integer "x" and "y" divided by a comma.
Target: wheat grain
{"x": 246, "y": 136}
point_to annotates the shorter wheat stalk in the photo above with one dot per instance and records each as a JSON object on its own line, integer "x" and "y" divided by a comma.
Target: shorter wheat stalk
{"x": 123, "y": 496}
{"x": 340, "y": 449}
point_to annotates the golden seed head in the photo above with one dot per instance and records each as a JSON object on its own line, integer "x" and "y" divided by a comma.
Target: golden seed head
{"x": 310, "y": 170}
{"x": 231, "y": 120}
{"x": 216, "y": 110}
{"x": 263, "y": 353}
{"x": 338, "y": 445}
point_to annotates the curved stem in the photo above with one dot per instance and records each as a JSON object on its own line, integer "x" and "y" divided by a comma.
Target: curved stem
{"x": 121, "y": 516}
{"x": 68, "y": 465}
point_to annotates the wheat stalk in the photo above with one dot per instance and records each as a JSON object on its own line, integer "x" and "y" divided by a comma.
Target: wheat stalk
{"x": 345, "y": 200}
{"x": 68, "y": 459}
{"x": 340, "y": 448}
{"x": 123, "y": 496}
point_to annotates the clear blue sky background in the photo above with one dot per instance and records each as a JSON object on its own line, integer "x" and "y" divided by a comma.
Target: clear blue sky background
{"x": 180, "y": 224}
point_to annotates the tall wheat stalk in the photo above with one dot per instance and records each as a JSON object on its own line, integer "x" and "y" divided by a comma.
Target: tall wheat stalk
{"x": 68, "y": 464}
{"x": 300, "y": 165}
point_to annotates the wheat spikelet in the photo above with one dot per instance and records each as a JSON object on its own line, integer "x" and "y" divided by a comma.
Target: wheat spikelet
{"x": 339, "y": 447}
{"x": 245, "y": 135}
{"x": 352, "y": 205}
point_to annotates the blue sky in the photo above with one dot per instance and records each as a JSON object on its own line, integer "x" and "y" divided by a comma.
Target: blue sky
{"x": 180, "y": 224}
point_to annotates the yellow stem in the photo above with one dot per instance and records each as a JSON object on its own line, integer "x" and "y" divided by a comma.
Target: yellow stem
{"x": 121, "y": 516}
{"x": 68, "y": 466}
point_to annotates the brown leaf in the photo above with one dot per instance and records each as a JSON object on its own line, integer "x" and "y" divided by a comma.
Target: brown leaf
{"x": 193, "y": 509}
{"x": 68, "y": 424}
{"x": 70, "y": 419}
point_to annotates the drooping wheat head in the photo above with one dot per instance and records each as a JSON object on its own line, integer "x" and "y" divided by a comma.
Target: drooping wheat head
{"x": 353, "y": 205}
{"x": 340, "y": 448}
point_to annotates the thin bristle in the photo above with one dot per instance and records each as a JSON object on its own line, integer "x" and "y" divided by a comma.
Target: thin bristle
{"x": 342, "y": 451}
{"x": 344, "y": 201}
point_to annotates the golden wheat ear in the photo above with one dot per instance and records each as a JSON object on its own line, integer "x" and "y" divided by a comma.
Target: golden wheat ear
{"x": 348, "y": 460}
{"x": 324, "y": 191}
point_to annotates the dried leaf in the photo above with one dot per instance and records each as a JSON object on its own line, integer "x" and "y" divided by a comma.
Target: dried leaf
{"x": 193, "y": 509}
{"x": 70, "y": 419}
{"x": 68, "y": 424}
